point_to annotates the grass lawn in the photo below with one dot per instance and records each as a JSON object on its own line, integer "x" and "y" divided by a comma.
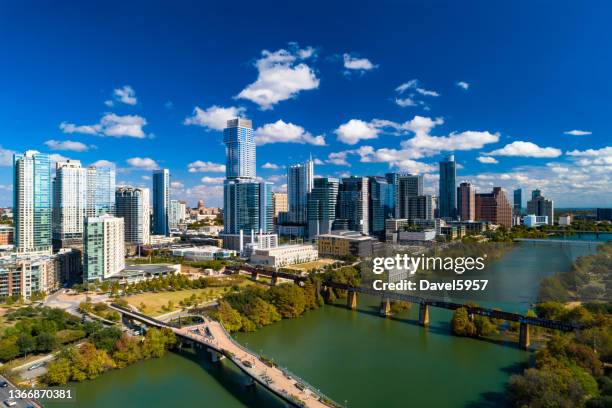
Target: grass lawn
{"x": 312, "y": 265}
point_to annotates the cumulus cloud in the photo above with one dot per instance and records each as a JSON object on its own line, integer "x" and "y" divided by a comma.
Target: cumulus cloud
{"x": 270, "y": 166}
{"x": 125, "y": 94}
{"x": 200, "y": 166}
{"x": 214, "y": 117}
{"x": 602, "y": 158}
{"x": 526, "y": 149}
{"x": 282, "y": 75}
{"x": 427, "y": 92}
{"x": 405, "y": 102}
{"x": 487, "y": 160}
{"x": 577, "y": 132}
{"x": 282, "y": 132}
{"x": 355, "y": 130}
{"x": 177, "y": 184}
{"x": 212, "y": 180}
{"x": 102, "y": 163}
{"x": 407, "y": 85}
{"x": 143, "y": 163}
{"x": 55, "y": 157}
{"x": 6, "y": 156}
{"x": 318, "y": 161}
{"x": 357, "y": 64}
{"x": 413, "y": 91}
{"x": 463, "y": 85}
{"x": 111, "y": 125}
{"x": 338, "y": 158}
{"x": 66, "y": 145}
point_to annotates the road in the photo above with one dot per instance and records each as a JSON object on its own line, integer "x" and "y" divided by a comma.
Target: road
{"x": 4, "y": 395}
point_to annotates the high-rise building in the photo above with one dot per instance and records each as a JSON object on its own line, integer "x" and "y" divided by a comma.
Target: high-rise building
{"x": 407, "y": 187}
{"x": 161, "y": 201}
{"x": 322, "y": 202}
{"x": 239, "y": 149}
{"x": 279, "y": 203}
{"x": 446, "y": 199}
{"x": 69, "y": 203}
{"x": 379, "y": 204}
{"x": 604, "y": 214}
{"x": 494, "y": 207}
{"x": 32, "y": 201}
{"x": 353, "y": 203}
{"x": 421, "y": 208}
{"x": 100, "y": 191}
{"x": 299, "y": 184}
{"x": 104, "y": 248}
{"x": 518, "y": 201}
{"x": 466, "y": 201}
{"x": 133, "y": 205}
{"x": 177, "y": 213}
{"x": 541, "y": 206}
{"x": 391, "y": 191}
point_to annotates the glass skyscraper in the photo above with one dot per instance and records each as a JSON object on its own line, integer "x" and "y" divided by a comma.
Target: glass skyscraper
{"x": 100, "y": 191}
{"x": 69, "y": 203}
{"x": 407, "y": 186}
{"x": 518, "y": 201}
{"x": 161, "y": 201}
{"x": 132, "y": 204}
{"x": 322, "y": 202}
{"x": 32, "y": 201}
{"x": 239, "y": 149}
{"x": 353, "y": 203}
{"x": 379, "y": 209}
{"x": 299, "y": 184}
{"x": 447, "y": 200}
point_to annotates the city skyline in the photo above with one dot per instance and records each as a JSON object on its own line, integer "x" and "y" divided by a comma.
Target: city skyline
{"x": 358, "y": 108}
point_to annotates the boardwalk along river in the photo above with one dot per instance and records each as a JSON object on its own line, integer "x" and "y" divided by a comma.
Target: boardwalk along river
{"x": 353, "y": 356}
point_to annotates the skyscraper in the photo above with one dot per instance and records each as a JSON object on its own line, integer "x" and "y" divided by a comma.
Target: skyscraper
{"x": 239, "y": 149}
{"x": 104, "y": 248}
{"x": 100, "y": 191}
{"x": 69, "y": 203}
{"x": 279, "y": 203}
{"x": 518, "y": 201}
{"x": 161, "y": 201}
{"x": 133, "y": 205}
{"x": 421, "y": 208}
{"x": 32, "y": 201}
{"x": 177, "y": 213}
{"x": 391, "y": 191}
{"x": 322, "y": 202}
{"x": 299, "y": 184}
{"x": 494, "y": 207}
{"x": 466, "y": 201}
{"x": 378, "y": 204}
{"x": 407, "y": 187}
{"x": 541, "y": 206}
{"x": 446, "y": 199}
{"x": 353, "y": 203}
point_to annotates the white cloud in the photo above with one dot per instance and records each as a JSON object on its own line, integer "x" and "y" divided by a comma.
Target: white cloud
{"x": 577, "y": 132}
{"x": 146, "y": 177}
{"x": 400, "y": 159}
{"x": 6, "y": 156}
{"x": 603, "y": 152}
{"x": 281, "y": 132}
{"x": 526, "y": 149}
{"x": 600, "y": 158}
{"x": 205, "y": 167}
{"x": 487, "y": 160}
{"x": 463, "y": 85}
{"x": 318, "y": 161}
{"x": 355, "y": 130}
{"x": 407, "y": 85}
{"x": 112, "y": 125}
{"x": 109, "y": 103}
{"x": 125, "y": 95}
{"x": 338, "y": 158}
{"x": 405, "y": 102}
{"x": 55, "y": 157}
{"x": 270, "y": 166}
{"x": 427, "y": 92}
{"x": 212, "y": 180}
{"x": 215, "y": 117}
{"x": 177, "y": 184}
{"x": 103, "y": 163}
{"x": 143, "y": 163}
{"x": 213, "y": 194}
{"x": 66, "y": 145}
{"x": 358, "y": 64}
{"x": 282, "y": 75}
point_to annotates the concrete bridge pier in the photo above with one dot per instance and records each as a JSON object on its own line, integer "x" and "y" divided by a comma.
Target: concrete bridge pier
{"x": 524, "y": 336}
{"x": 385, "y": 307}
{"x": 423, "y": 314}
{"x": 215, "y": 356}
{"x": 351, "y": 300}
{"x": 254, "y": 275}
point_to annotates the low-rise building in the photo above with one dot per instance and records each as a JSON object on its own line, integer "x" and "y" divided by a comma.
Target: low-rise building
{"x": 204, "y": 253}
{"x": 452, "y": 232}
{"x": 345, "y": 243}
{"x": 158, "y": 240}
{"x": 144, "y": 272}
{"x": 532, "y": 221}
{"x": 21, "y": 275}
{"x": 422, "y": 235}
{"x": 392, "y": 226}
{"x": 6, "y": 235}
{"x": 284, "y": 255}
{"x": 565, "y": 220}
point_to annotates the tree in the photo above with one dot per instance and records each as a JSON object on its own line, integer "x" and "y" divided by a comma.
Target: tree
{"x": 8, "y": 348}
{"x": 127, "y": 351}
{"x": 106, "y": 338}
{"x": 58, "y": 372}
{"x": 25, "y": 342}
{"x": 228, "y": 316}
{"x": 461, "y": 323}
{"x": 289, "y": 299}
{"x": 45, "y": 342}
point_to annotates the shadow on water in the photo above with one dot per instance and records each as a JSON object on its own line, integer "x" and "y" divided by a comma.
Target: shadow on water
{"x": 497, "y": 399}
{"x": 232, "y": 379}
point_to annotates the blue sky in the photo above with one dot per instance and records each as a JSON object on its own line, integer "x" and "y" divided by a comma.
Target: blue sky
{"x": 519, "y": 91}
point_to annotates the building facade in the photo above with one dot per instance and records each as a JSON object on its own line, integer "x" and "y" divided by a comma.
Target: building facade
{"x": 466, "y": 201}
{"x": 104, "y": 248}
{"x": 161, "y": 201}
{"x": 421, "y": 208}
{"x": 378, "y": 204}
{"x": 239, "y": 149}
{"x": 494, "y": 207}
{"x": 322, "y": 202}
{"x": 447, "y": 202}
{"x": 353, "y": 203}
{"x": 518, "y": 201}
{"x": 284, "y": 255}
{"x": 177, "y": 213}
{"x": 69, "y": 203}
{"x": 279, "y": 203}
{"x": 133, "y": 205}
{"x": 299, "y": 184}
{"x": 100, "y": 191}
{"x": 407, "y": 187}
{"x": 541, "y": 206}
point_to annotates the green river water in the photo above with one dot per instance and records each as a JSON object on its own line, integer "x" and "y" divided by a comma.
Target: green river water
{"x": 355, "y": 357}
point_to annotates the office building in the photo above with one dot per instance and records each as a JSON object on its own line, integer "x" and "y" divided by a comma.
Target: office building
{"x": 518, "y": 201}
{"x": 6, "y": 235}
{"x": 104, "y": 248}
{"x": 532, "y": 221}
{"x": 565, "y": 220}
{"x": 447, "y": 203}
{"x": 421, "y": 208}
{"x": 353, "y": 203}
{"x": 203, "y": 253}
{"x": 177, "y": 214}
{"x": 407, "y": 187}
{"x": 279, "y": 203}
{"x": 541, "y": 206}
{"x": 604, "y": 214}
{"x": 100, "y": 191}
{"x": 32, "y": 201}
{"x": 322, "y": 202}
{"x": 391, "y": 191}
{"x": 69, "y": 204}
{"x": 247, "y": 206}
{"x": 133, "y": 205}
{"x": 299, "y": 185}
{"x": 239, "y": 149}
{"x": 161, "y": 201}
{"x": 494, "y": 207}
{"x": 378, "y": 204}
{"x": 284, "y": 255}
{"x": 466, "y": 202}
{"x": 346, "y": 243}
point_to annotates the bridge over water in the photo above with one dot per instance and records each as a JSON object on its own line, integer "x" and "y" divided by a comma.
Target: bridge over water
{"x": 212, "y": 335}
{"x": 558, "y": 241}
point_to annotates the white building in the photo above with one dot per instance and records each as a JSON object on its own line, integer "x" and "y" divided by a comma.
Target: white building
{"x": 104, "y": 254}
{"x": 284, "y": 255}
{"x": 532, "y": 220}
{"x": 565, "y": 220}
{"x": 203, "y": 253}
{"x": 177, "y": 213}
{"x": 21, "y": 275}
{"x": 424, "y": 235}
{"x": 69, "y": 203}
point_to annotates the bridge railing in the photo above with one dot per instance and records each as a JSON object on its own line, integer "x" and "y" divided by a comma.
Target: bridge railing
{"x": 326, "y": 400}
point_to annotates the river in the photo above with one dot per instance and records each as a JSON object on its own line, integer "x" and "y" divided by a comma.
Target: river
{"x": 353, "y": 356}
